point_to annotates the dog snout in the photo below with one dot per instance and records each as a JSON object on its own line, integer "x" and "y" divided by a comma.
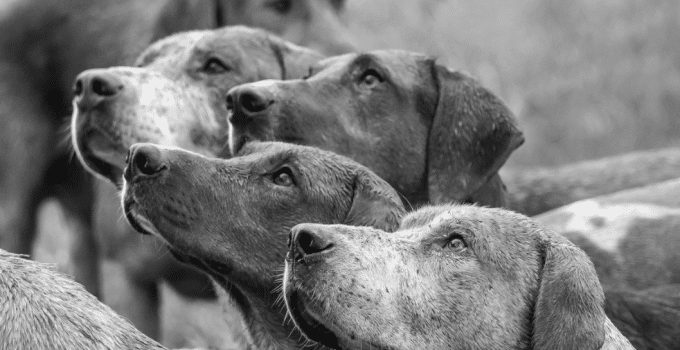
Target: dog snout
{"x": 143, "y": 161}
{"x": 245, "y": 101}
{"x": 94, "y": 86}
{"x": 307, "y": 240}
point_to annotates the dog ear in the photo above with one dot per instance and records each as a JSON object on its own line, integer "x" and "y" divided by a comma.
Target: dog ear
{"x": 471, "y": 137}
{"x": 374, "y": 203}
{"x": 294, "y": 61}
{"x": 569, "y": 310}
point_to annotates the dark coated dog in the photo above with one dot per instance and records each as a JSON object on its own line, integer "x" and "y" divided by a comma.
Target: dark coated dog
{"x": 436, "y": 135}
{"x": 231, "y": 217}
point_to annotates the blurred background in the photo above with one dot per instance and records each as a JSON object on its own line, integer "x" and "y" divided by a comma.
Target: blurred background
{"x": 585, "y": 78}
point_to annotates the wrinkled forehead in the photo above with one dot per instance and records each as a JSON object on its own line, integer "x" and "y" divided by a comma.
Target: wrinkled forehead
{"x": 318, "y": 167}
{"x": 234, "y": 40}
{"x": 172, "y": 50}
{"x": 402, "y": 67}
{"x": 489, "y": 229}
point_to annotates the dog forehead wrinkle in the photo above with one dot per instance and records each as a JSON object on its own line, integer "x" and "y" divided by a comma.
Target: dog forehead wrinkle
{"x": 162, "y": 51}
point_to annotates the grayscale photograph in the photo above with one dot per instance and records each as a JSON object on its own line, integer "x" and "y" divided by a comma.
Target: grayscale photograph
{"x": 339, "y": 174}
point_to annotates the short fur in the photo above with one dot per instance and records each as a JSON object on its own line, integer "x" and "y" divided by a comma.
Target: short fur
{"x": 41, "y": 309}
{"x": 171, "y": 98}
{"x": 435, "y": 135}
{"x": 231, "y": 219}
{"x": 187, "y": 201}
{"x": 537, "y": 190}
{"x": 43, "y": 46}
{"x": 448, "y": 134}
{"x": 510, "y": 285}
{"x": 632, "y": 236}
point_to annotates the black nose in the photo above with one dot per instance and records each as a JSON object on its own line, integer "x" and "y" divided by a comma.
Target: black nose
{"x": 144, "y": 160}
{"x": 94, "y": 86}
{"x": 245, "y": 101}
{"x": 307, "y": 240}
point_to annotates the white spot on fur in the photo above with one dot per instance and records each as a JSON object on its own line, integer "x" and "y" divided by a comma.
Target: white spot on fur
{"x": 263, "y": 83}
{"x": 603, "y": 224}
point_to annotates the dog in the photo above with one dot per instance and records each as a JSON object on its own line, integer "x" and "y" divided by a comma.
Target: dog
{"x": 227, "y": 217}
{"x": 42, "y": 309}
{"x": 435, "y": 135}
{"x": 537, "y": 190}
{"x": 451, "y": 277}
{"x": 43, "y": 46}
{"x": 637, "y": 231}
{"x": 647, "y": 317}
{"x": 231, "y": 217}
{"x": 172, "y": 97}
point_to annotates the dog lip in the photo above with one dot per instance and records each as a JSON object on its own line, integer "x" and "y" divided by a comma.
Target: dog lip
{"x": 310, "y": 326}
{"x": 99, "y": 165}
{"x": 128, "y": 208}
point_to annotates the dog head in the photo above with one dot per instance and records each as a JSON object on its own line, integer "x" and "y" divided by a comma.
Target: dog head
{"x": 174, "y": 95}
{"x": 432, "y": 133}
{"x": 234, "y": 215}
{"x": 447, "y": 275}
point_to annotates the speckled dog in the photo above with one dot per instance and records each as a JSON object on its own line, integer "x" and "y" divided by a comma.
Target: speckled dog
{"x": 174, "y": 98}
{"x": 452, "y": 277}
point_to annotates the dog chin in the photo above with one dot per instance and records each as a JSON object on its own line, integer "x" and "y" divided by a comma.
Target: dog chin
{"x": 100, "y": 157}
{"x": 137, "y": 220}
{"x": 314, "y": 325}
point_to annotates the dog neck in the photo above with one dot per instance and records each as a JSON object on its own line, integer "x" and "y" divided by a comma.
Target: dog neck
{"x": 263, "y": 314}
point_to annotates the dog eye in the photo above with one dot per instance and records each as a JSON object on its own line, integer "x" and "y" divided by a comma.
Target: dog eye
{"x": 215, "y": 66}
{"x": 283, "y": 177}
{"x": 456, "y": 243}
{"x": 371, "y": 78}
{"x": 280, "y": 6}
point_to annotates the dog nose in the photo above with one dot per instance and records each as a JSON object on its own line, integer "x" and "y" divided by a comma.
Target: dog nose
{"x": 244, "y": 102}
{"x": 143, "y": 160}
{"x": 306, "y": 240}
{"x": 95, "y": 85}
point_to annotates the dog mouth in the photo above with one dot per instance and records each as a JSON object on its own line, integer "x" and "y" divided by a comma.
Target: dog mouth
{"x": 101, "y": 155}
{"x": 138, "y": 221}
{"x": 308, "y": 322}
{"x": 301, "y": 308}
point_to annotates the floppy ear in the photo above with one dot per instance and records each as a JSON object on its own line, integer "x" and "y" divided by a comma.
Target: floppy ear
{"x": 374, "y": 203}
{"x": 294, "y": 60}
{"x": 569, "y": 309}
{"x": 471, "y": 137}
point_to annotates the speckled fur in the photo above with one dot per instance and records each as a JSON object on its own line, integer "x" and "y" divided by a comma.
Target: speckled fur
{"x": 168, "y": 99}
{"x": 513, "y": 286}
{"x": 43, "y": 309}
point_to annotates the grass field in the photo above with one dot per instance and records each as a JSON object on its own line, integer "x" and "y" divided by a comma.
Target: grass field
{"x": 585, "y": 79}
